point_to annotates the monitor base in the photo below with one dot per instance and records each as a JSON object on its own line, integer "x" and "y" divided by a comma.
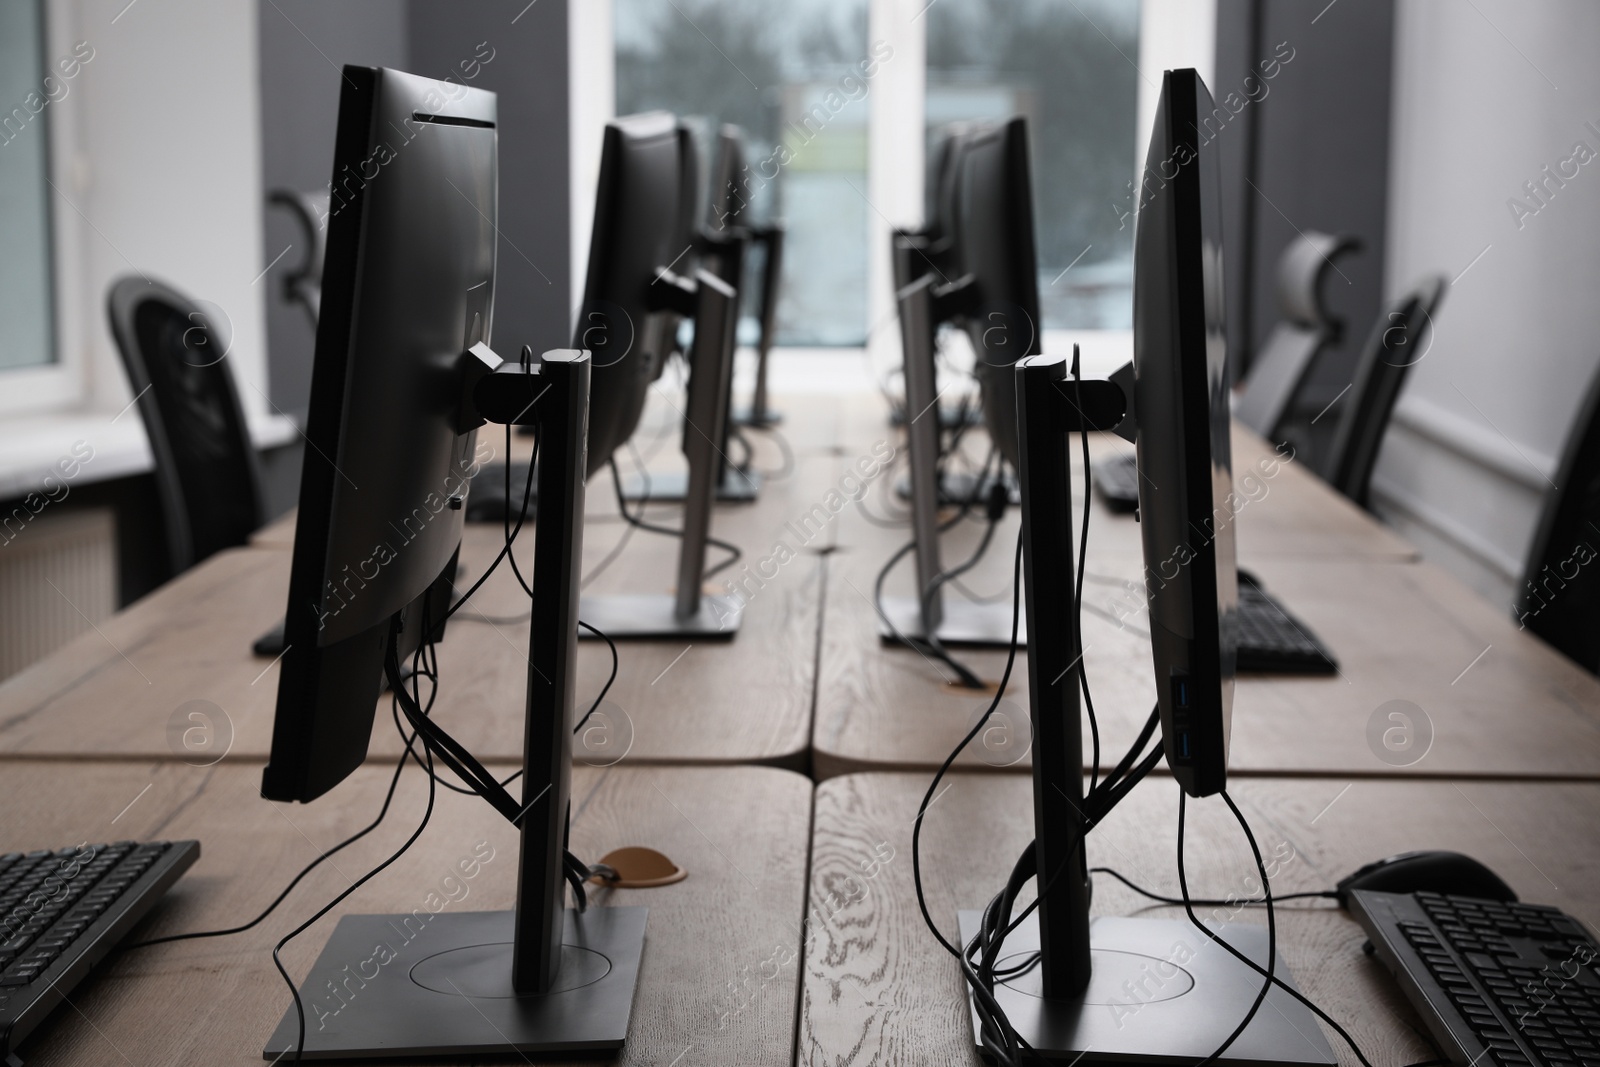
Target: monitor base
{"x": 651, "y": 615}
{"x": 965, "y": 622}
{"x": 1162, "y": 993}
{"x": 757, "y": 419}
{"x": 957, "y": 487}
{"x": 738, "y": 487}
{"x": 445, "y": 990}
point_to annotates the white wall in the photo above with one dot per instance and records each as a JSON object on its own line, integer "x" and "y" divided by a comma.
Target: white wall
{"x": 1173, "y": 34}
{"x": 164, "y": 173}
{"x": 1485, "y": 95}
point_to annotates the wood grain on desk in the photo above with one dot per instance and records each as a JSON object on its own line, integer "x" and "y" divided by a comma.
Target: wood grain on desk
{"x": 1410, "y": 640}
{"x": 115, "y": 691}
{"x": 719, "y": 978}
{"x": 1499, "y": 701}
{"x": 1285, "y": 509}
{"x": 879, "y": 989}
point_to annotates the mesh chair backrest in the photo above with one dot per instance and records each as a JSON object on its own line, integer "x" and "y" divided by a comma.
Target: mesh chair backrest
{"x": 1560, "y": 598}
{"x": 1399, "y": 339}
{"x": 205, "y": 467}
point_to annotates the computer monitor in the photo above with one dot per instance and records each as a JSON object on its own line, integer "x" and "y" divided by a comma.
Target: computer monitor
{"x": 644, "y": 202}
{"x": 974, "y": 267}
{"x": 408, "y": 283}
{"x": 643, "y": 281}
{"x": 991, "y": 241}
{"x": 1073, "y": 1004}
{"x": 408, "y": 290}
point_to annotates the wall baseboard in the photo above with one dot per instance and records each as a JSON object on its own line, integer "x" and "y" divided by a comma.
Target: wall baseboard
{"x": 1486, "y": 448}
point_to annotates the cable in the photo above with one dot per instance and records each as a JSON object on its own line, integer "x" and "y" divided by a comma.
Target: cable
{"x": 1325, "y": 894}
{"x": 927, "y": 798}
{"x": 1272, "y": 923}
{"x": 734, "y": 552}
{"x": 307, "y": 869}
{"x": 277, "y": 960}
{"x": 1077, "y": 595}
{"x": 786, "y": 467}
{"x": 1344, "y": 1035}
{"x": 605, "y": 688}
{"x": 929, "y": 644}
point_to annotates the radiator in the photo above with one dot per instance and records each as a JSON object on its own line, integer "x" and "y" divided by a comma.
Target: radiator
{"x": 72, "y": 549}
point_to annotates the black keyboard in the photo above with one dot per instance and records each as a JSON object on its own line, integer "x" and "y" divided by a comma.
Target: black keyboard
{"x": 1271, "y": 641}
{"x": 486, "y": 502}
{"x": 1117, "y": 479}
{"x": 62, "y": 911}
{"x": 1499, "y": 985}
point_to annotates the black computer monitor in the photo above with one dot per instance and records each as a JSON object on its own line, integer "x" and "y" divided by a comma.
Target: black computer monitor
{"x": 644, "y": 220}
{"x": 408, "y": 289}
{"x": 408, "y": 284}
{"x": 644, "y": 280}
{"x": 726, "y": 201}
{"x": 1180, "y": 404}
{"x": 1185, "y": 461}
{"x": 991, "y": 240}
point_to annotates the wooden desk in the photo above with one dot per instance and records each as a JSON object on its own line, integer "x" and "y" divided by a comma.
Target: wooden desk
{"x": 1497, "y": 701}
{"x": 112, "y": 693}
{"x": 1288, "y": 510}
{"x": 723, "y": 940}
{"x": 1500, "y": 702}
{"x": 879, "y": 989}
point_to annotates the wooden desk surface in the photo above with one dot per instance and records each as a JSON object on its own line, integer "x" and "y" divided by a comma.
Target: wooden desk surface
{"x": 1409, "y": 638}
{"x": 1499, "y": 701}
{"x": 724, "y": 940}
{"x": 879, "y": 989}
{"x": 113, "y": 692}
{"x": 1285, "y": 509}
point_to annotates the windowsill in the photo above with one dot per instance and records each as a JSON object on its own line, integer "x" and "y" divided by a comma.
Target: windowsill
{"x": 30, "y": 446}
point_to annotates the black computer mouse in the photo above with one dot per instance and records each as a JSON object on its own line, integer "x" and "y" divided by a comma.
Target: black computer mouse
{"x": 1420, "y": 872}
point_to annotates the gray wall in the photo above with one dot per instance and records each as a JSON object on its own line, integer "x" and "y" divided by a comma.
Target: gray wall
{"x": 528, "y": 69}
{"x": 1320, "y": 161}
{"x": 303, "y": 43}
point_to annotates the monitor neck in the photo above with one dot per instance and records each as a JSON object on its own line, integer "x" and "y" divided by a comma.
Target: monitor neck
{"x": 562, "y": 412}
{"x": 1045, "y": 474}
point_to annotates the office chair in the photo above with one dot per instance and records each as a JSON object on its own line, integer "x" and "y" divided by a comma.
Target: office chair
{"x": 1279, "y": 370}
{"x": 1560, "y": 598}
{"x": 207, "y": 481}
{"x": 1398, "y": 340}
{"x": 303, "y": 285}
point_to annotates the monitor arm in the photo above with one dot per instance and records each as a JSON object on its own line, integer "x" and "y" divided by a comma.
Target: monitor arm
{"x": 554, "y": 395}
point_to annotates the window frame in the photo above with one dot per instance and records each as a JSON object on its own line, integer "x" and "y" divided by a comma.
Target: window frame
{"x": 62, "y": 383}
{"x": 1184, "y": 35}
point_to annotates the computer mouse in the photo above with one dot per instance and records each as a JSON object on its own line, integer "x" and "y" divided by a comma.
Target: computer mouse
{"x": 1420, "y": 872}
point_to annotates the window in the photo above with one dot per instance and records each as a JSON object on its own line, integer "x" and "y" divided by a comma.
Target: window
{"x": 795, "y": 78}
{"x": 27, "y": 334}
{"x": 1069, "y": 68}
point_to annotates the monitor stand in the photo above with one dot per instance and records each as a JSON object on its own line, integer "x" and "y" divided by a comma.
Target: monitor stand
{"x": 382, "y": 986}
{"x": 954, "y": 621}
{"x": 689, "y": 611}
{"x": 760, "y": 415}
{"x": 1116, "y": 990}
{"x": 1161, "y": 993}
{"x": 736, "y": 486}
{"x": 542, "y": 978}
{"x": 959, "y": 487}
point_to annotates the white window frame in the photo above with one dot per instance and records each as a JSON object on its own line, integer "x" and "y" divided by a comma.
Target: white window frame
{"x": 62, "y": 383}
{"x": 1172, "y": 33}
